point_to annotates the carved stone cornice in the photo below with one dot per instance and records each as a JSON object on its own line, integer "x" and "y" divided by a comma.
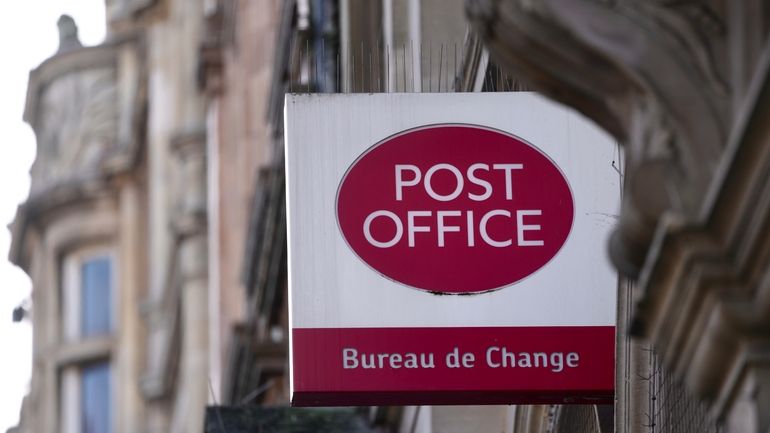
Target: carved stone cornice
{"x": 42, "y": 207}
{"x": 695, "y": 223}
{"x": 606, "y": 59}
{"x": 706, "y": 304}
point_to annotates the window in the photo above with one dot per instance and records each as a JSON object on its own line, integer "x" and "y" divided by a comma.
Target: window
{"x": 88, "y": 315}
{"x": 86, "y": 398}
{"x": 88, "y": 294}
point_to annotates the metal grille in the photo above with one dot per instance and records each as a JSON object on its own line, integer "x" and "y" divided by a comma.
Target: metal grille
{"x": 672, "y": 408}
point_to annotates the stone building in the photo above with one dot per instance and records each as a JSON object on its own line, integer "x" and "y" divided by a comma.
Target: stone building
{"x": 155, "y": 238}
{"x": 114, "y": 233}
{"x": 684, "y": 86}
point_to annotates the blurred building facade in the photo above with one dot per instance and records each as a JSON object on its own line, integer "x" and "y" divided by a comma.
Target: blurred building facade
{"x": 114, "y": 233}
{"x": 684, "y": 86}
{"x": 155, "y": 230}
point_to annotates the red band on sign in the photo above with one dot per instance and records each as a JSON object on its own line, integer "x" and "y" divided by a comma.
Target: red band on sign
{"x": 455, "y": 208}
{"x": 479, "y": 365}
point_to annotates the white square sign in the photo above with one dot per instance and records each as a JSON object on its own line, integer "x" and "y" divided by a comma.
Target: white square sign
{"x": 449, "y": 249}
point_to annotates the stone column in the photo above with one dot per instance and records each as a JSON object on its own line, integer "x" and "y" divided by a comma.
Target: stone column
{"x": 129, "y": 352}
{"x": 190, "y": 222}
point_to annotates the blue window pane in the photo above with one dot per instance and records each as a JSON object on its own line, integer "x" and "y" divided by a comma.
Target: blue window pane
{"x": 96, "y": 278}
{"x": 95, "y": 399}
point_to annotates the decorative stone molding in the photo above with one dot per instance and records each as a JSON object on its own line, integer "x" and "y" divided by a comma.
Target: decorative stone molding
{"x": 86, "y": 106}
{"x": 605, "y": 59}
{"x": 76, "y": 125}
{"x": 187, "y": 262}
{"x": 668, "y": 80}
{"x": 164, "y": 334}
{"x": 707, "y": 300}
{"x": 190, "y": 151}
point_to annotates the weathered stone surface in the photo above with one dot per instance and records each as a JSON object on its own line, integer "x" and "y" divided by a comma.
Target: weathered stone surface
{"x": 617, "y": 54}
{"x": 76, "y": 125}
{"x": 684, "y": 87}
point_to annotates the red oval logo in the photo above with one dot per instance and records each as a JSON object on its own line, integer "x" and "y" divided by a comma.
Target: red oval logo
{"x": 454, "y": 208}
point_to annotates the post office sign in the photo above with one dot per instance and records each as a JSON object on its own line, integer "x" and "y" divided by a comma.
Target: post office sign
{"x": 449, "y": 249}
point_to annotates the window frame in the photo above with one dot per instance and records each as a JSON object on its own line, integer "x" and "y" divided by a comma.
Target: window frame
{"x": 71, "y": 291}
{"x": 71, "y": 394}
{"x": 84, "y": 350}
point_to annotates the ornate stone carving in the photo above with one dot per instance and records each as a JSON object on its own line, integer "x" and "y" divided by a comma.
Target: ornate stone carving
{"x": 88, "y": 119}
{"x": 693, "y": 115}
{"x": 76, "y": 125}
{"x": 606, "y": 58}
{"x": 68, "y": 34}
